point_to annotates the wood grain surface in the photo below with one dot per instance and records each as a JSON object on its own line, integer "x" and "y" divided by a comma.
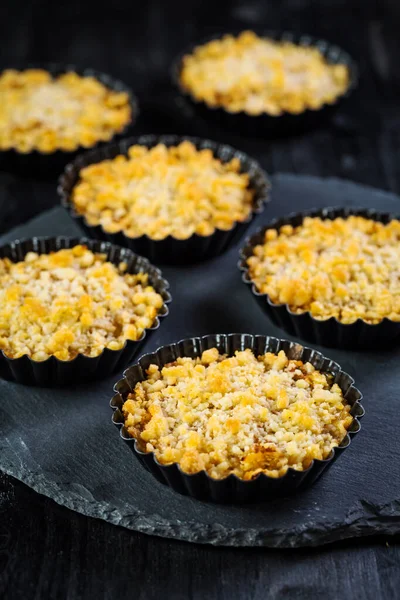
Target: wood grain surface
{"x": 47, "y": 552}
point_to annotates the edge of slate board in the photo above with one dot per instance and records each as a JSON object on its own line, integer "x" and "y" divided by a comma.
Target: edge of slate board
{"x": 359, "y": 522}
{"x": 362, "y": 519}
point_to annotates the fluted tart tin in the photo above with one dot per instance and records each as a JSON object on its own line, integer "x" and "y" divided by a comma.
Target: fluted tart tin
{"x": 266, "y": 125}
{"x": 233, "y": 489}
{"x": 358, "y": 335}
{"x": 49, "y": 164}
{"x": 54, "y": 372}
{"x": 169, "y": 250}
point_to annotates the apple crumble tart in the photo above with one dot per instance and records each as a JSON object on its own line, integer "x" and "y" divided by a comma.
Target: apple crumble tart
{"x": 259, "y": 75}
{"x": 241, "y": 415}
{"x": 45, "y": 113}
{"x": 71, "y": 302}
{"x": 347, "y": 268}
{"x": 162, "y": 191}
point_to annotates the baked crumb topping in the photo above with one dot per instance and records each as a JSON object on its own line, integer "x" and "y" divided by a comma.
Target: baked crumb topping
{"x": 162, "y": 191}
{"x": 343, "y": 268}
{"x": 258, "y": 75}
{"x": 71, "y": 302}
{"x": 40, "y": 112}
{"x": 243, "y": 414}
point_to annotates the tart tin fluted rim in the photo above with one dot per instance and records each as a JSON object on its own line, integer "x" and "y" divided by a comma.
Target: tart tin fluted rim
{"x": 58, "y": 158}
{"x": 169, "y": 250}
{"x": 286, "y": 120}
{"x": 329, "y": 332}
{"x": 232, "y": 489}
{"x": 82, "y": 368}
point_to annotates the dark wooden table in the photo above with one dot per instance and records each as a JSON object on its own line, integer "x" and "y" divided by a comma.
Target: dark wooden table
{"x": 50, "y": 552}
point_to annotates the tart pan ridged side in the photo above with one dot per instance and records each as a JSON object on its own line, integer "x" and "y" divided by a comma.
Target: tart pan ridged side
{"x": 55, "y": 372}
{"x": 266, "y": 124}
{"x": 331, "y": 332}
{"x": 169, "y": 250}
{"x": 49, "y": 164}
{"x": 232, "y": 489}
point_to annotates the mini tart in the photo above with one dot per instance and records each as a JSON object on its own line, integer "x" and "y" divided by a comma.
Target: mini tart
{"x": 174, "y": 199}
{"x": 74, "y": 302}
{"x": 235, "y": 412}
{"x": 259, "y": 75}
{"x": 160, "y": 191}
{"x": 330, "y": 276}
{"x": 71, "y": 302}
{"x": 240, "y": 415}
{"x": 46, "y": 111}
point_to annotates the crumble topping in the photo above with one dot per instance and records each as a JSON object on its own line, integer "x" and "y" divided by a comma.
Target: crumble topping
{"x": 69, "y": 302}
{"x": 344, "y": 268}
{"x": 243, "y": 414}
{"x": 40, "y": 112}
{"x": 162, "y": 191}
{"x": 259, "y": 75}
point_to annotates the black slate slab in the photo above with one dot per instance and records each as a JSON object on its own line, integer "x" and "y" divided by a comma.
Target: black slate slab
{"x": 62, "y": 442}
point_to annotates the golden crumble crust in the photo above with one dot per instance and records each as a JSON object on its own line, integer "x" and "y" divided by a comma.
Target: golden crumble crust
{"x": 71, "y": 302}
{"x": 257, "y": 75}
{"x": 347, "y": 268}
{"x": 45, "y": 113}
{"x": 160, "y": 191}
{"x": 240, "y": 415}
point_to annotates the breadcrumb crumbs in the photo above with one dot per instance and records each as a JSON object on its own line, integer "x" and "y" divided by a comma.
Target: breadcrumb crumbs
{"x": 71, "y": 302}
{"x": 39, "y": 112}
{"x": 258, "y": 75}
{"x": 243, "y": 414}
{"x": 343, "y": 268}
{"x": 162, "y": 191}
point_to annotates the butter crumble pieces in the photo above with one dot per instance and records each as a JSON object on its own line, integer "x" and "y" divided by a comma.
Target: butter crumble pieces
{"x": 71, "y": 302}
{"x": 160, "y": 191}
{"x": 343, "y": 268}
{"x": 45, "y": 113}
{"x": 242, "y": 414}
{"x": 258, "y": 75}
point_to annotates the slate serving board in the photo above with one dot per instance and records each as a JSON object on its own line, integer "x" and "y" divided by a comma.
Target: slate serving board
{"x": 62, "y": 442}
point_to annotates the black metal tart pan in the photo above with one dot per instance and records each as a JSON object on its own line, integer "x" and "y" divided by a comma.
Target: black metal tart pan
{"x": 232, "y": 489}
{"x": 55, "y": 372}
{"x": 359, "y": 335}
{"x": 169, "y": 250}
{"x": 266, "y": 125}
{"x": 48, "y": 165}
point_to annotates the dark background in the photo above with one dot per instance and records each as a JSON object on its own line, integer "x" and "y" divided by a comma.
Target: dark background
{"x": 50, "y": 552}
